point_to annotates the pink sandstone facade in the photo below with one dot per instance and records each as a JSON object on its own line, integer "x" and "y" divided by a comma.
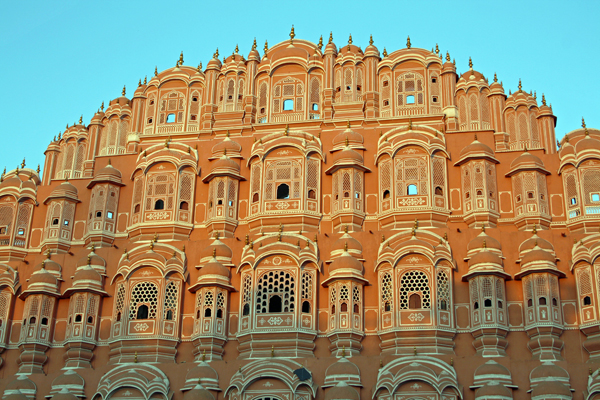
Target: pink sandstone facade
{"x": 312, "y": 222}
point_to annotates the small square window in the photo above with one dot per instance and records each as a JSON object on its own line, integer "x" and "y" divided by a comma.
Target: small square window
{"x": 21, "y": 232}
{"x": 170, "y": 118}
{"x": 66, "y": 222}
{"x": 434, "y": 99}
{"x": 109, "y": 214}
{"x": 410, "y": 99}
{"x": 595, "y": 196}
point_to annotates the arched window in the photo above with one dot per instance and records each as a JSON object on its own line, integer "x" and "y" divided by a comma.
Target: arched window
{"x": 283, "y": 191}
{"x": 411, "y": 190}
{"x": 276, "y": 291}
{"x": 144, "y": 296}
{"x": 414, "y": 301}
{"x": 305, "y": 307}
{"x": 386, "y": 291}
{"x": 159, "y": 204}
{"x": 587, "y": 301}
{"x": 247, "y": 294}
{"x": 415, "y": 282}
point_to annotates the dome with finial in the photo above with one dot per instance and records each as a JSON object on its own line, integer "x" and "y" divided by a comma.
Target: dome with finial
{"x": 21, "y": 384}
{"x": 64, "y": 394}
{"x": 341, "y": 391}
{"x": 330, "y": 47}
{"x": 41, "y": 281}
{"x": 548, "y": 370}
{"x": 527, "y": 162}
{"x": 227, "y": 146}
{"x": 225, "y": 165}
{"x": 69, "y": 380}
{"x": 63, "y": 191}
{"x": 16, "y": 395}
{"x": 566, "y": 150}
{"x": 51, "y": 266}
{"x": 491, "y": 371}
{"x": 346, "y": 243}
{"x": 371, "y": 50}
{"x": 214, "y": 62}
{"x": 348, "y": 155}
{"x": 476, "y": 151}
{"x": 198, "y": 392}
{"x": 550, "y": 389}
{"x": 93, "y": 259}
{"x": 86, "y": 279}
{"x": 493, "y": 390}
{"x": 345, "y": 263}
{"x": 348, "y": 137}
{"x": 533, "y": 241}
{"x": 213, "y": 273}
{"x": 218, "y": 250}
{"x": 204, "y": 374}
{"x": 477, "y": 243}
{"x": 343, "y": 370}
{"x": 107, "y": 174}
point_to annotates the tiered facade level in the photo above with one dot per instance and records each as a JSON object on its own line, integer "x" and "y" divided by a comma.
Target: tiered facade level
{"x": 311, "y": 223}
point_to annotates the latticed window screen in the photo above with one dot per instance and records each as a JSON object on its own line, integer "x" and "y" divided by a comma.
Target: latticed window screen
{"x": 262, "y": 98}
{"x": 279, "y": 283}
{"x": 571, "y": 189}
{"x": 150, "y": 109}
{"x": 443, "y": 290}
{"x": 554, "y": 293}
{"x": 144, "y": 293}
{"x": 386, "y": 85}
{"x": 195, "y": 106}
{"x": 466, "y": 181}
{"x": 209, "y": 299}
{"x": 120, "y": 299}
{"x": 92, "y": 304}
{"x": 171, "y": 299}
{"x": 307, "y": 287}
{"x": 541, "y": 285}
{"x": 160, "y": 187}
{"x": 474, "y": 108}
{"x": 584, "y": 282}
{"x": 288, "y": 89}
{"x": 333, "y": 295}
{"x": 410, "y": 84}
{"x": 288, "y": 172}
{"x": 47, "y": 307}
{"x": 315, "y": 94}
{"x": 499, "y": 288}
{"x": 386, "y": 290}
{"x": 5, "y": 297}
{"x": 344, "y": 293}
{"x": 439, "y": 174}
{"x": 356, "y": 295}
{"x": 591, "y": 184}
{"x": 528, "y": 285}
{"x": 415, "y": 282}
{"x": 221, "y": 301}
{"x": 474, "y": 286}
{"x": 247, "y": 291}
{"x": 385, "y": 177}
{"x": 6, "y": 217}
{"x": 312, "y": 176}
{"x": 512, "y": 130}
{"x": 411, "y": 171}
{"x": 256, "y": 179}
{"x": 172, "y": 103}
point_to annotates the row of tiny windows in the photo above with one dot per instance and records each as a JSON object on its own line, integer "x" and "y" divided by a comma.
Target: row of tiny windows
{"x": 594, "y": 196}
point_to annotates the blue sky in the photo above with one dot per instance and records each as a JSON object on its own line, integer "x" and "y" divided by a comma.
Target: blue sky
{"x": 61, "y": 59}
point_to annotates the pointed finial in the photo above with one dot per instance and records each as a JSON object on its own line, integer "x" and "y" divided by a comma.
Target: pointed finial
{"x": 385, "y": 53}
{"x": 448, "y": 56}
{"x": 408, "y": 42}
{"x": 237, "y": 49}
{"x": 451, "y": 362}
{"x": 520, "y": 86}
{"x": 48, "y": 253}
{"x": 247, "y": 240}
{"x": 437, "y": 49}
{"x": 38, "y": 169}
{"x": 140, "y": 82}
{"x": 483, "y": 228}
{"x": 347, "y": 141}
{"x": 345, "y": 228}
{"x": 214, "y": 252}
{"x": 344, "y": 351}
{"x": 155, "y": 71}
{"x": 152, "y": 246}
{"x": 80, "y": 119}
{"x": 415, "y": 350}
{"x": 409, "y": 124}
{"x": 382, "y": 238}
{"x": 217, "y": 235}
{"x": 204, "y": 355}
{"x": 534, "y": 230}
{"x": 280, "y": 227}
{"x": 350, "y": 39}
{"x": 371, "y": 40}
{"x": 380, "y": 363}
{"x": 123, "y": 92}
{"x": 484, "y": 244}
{"x": 292, "y": 35}
{"x": 272, "y": 351}
{"x": 199, "y": 68}
{"x": 495, "y": 77}
{"x": 446, "y": 236}
{"x": 470, "y": 63}
{"x": 266, "y": 48}
{"x": 330, "y": 37}
{"x": 287, "y": 129}
{"x": 583, "y": 122}
{"x": 135, "y": 360}
{"x": 320, "y": 44}
{"x": 543, "y": 99}
{"x": 146, "y": 79}
{"x": 180, "y": 62}
{"x": 23, "y": 163}
{"x": 346, "y": 246}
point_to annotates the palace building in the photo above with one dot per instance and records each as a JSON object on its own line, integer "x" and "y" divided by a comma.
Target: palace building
{"x": 307, "y": 222}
